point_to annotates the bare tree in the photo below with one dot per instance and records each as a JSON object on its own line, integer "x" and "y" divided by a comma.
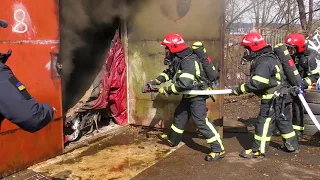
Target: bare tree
{"x": 310, "y": 14}
{"x": 302, "y": 14}
{"x": 266, "y": 13}
{"x": 235, "y": 9}
{"x": 305, "y": 24}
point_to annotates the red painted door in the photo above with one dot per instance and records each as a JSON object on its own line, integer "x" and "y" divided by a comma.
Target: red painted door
{"x": 33, "y": 33}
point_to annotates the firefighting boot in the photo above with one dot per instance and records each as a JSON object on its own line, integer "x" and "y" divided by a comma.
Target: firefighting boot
{"x": 249, "y": 153}
{"x": 289, "y": 148}
{"x": 214, "y": 156}
{"x": 165, "y": 140}
{"x": 290, "y": 145}
{"x": 299, "y": 135}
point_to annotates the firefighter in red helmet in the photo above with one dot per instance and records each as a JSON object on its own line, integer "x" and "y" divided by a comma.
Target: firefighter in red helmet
{"x": 184, "y": 71}
{"x": 267, "y": 81}
{"x": 306, "y": 65}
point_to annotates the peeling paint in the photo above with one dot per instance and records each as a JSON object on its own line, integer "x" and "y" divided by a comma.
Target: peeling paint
{"x": 48, "y": 65}
{"x": 136, "y": 64}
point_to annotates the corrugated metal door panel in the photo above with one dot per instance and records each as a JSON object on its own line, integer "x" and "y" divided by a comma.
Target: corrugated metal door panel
{"x": 32, "y": 34}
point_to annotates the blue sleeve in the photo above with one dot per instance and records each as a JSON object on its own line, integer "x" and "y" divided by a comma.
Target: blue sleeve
{"x": 19, "y": 107}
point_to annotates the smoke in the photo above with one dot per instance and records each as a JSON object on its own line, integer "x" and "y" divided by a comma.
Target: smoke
{"x": 86, "y": 30}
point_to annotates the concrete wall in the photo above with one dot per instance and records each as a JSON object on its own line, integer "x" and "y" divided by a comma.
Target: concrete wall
{"x": 196, "y": 20}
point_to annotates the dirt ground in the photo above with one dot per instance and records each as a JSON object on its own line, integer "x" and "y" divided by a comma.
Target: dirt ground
{"x": 238, "y": 111}
{"x": 119, "y": 156}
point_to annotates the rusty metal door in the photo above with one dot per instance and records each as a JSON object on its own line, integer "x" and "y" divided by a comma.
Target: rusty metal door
{"x": 196, "y": 20}
{"x": 32, "y": 34}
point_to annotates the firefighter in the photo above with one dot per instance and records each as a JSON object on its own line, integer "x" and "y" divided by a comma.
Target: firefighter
{"x": 184, "y": 71}
{"x": 266, "y": 81}
{"x": 292, "y": 75}
{"x": 306, "y": 65}
{"x": 17, "y": 105}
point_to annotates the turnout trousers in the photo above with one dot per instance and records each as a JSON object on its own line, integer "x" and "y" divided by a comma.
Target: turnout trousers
{"x": 297, "y": 112}
{"x": 274, "y": 113}
{"x": 196, "y": 109}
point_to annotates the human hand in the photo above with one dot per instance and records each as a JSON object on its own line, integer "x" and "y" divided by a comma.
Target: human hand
{"x": 164, "y": 91}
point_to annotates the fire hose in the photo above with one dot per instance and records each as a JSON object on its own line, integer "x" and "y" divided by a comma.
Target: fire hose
{"x": 208, "y": 92}
{"x": 152, "y": 90}
{"x": 306, "y": 106}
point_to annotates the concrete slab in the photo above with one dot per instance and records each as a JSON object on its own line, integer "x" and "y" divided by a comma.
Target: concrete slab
{"x": 28, "y": 175}
{"x": 188, "y": 162}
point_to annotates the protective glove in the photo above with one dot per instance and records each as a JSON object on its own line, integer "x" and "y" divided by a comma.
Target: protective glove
{"x": 216, "y": 83}
{"x": 5, "y": 57}
{"x": 304, "y": 85}
{"x": 300, "y": 90}
{"x": 235, "y": 92}
{"x": 164, "y": 91}
{"x": 294, "y": 91}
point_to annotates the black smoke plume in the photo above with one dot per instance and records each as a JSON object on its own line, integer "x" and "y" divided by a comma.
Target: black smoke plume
{"x": 86, "y": 30}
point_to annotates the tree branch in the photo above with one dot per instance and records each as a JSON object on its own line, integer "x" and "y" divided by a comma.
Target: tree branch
{"x": 250, "y": 6}
{"x": 297, "y": 18}
{"x": 302, "y": 13}
{"x": 309, "y": 26}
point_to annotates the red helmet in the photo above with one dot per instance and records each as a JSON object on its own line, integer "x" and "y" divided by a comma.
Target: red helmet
{"x": 297, "y": 40}
{"x": 254, "y": 41}
{"x": 174, "y": 42}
